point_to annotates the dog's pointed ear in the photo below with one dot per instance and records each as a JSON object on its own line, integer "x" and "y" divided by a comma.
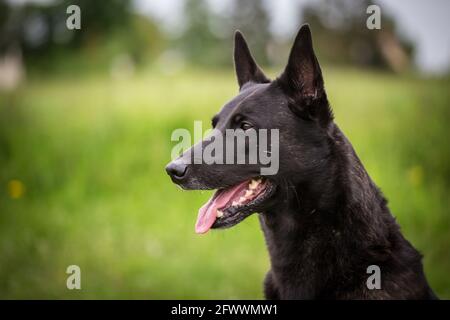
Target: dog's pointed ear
{"x": 302, "y": 73}
{"x": 246, "y": 67}
{"x": 302, "y": 79}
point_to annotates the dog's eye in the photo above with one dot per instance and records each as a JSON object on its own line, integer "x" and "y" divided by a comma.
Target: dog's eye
{"x": 246, "y": 125}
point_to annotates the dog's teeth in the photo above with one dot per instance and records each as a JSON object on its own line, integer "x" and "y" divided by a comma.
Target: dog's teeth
{"x": 235, "y": 203}
{"x": 248, "y": 193}
{"x": 253, "y": 184}
{"x": 241, "y": 199}
{"x": 219, "y": 214}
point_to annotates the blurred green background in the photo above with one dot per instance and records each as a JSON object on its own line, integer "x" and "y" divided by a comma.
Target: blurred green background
{"x": 85, "y": 123}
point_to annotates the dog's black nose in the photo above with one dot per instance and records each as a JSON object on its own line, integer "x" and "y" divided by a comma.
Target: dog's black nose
{"x": 176, "y": 169}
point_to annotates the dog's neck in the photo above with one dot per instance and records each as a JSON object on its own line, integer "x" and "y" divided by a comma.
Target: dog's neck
{"x": 330, "y": 214}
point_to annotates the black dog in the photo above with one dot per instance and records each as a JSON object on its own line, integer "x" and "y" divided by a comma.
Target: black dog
{"x": 324, "y": 219}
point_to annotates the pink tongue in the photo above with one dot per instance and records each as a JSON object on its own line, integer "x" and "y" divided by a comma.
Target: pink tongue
{"x": 207, "y": 214}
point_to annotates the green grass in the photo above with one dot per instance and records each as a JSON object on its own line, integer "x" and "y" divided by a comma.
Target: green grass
{"x": 90, "y": 153}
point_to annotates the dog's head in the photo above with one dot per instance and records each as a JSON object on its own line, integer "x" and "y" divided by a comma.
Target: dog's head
{"x": 293, "y": 109}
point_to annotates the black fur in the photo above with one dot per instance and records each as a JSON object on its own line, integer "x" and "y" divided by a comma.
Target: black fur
{"x": 326, "y": 221}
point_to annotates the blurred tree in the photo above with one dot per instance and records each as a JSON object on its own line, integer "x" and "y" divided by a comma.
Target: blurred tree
{"x": 40, "y": 31}
{"x": 341, "y": 35}
{"x": 198, "y": 43}
{"x": 206, "y": 37}
{"x": 38, "y": 27}
{"x": 250, "y": 16}
{"x": 97, "y": 18}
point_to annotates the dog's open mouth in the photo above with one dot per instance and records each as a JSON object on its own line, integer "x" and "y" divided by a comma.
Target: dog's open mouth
{"x": 229, "y": 206}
